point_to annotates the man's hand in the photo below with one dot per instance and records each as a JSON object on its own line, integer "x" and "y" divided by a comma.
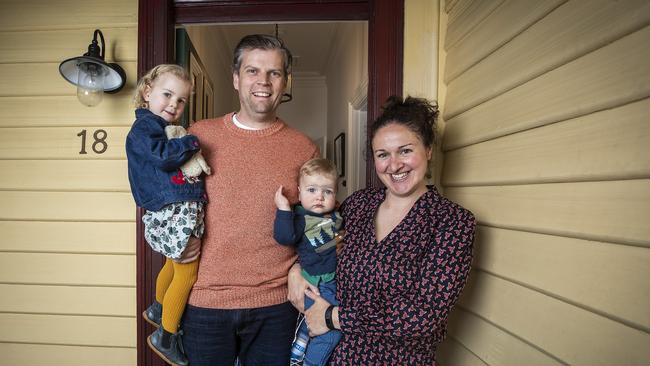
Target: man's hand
{"x": 281, "y": 201}
{"x": 192, "y": 251}
{"x": 315, "y": 315}
{"x": 297, "y": 286}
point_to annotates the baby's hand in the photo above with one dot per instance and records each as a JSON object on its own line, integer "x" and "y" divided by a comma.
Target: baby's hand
{"x": 281, "y": 201}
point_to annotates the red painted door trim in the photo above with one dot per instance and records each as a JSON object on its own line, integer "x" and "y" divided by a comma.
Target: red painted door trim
{"x": 156, "y": 22}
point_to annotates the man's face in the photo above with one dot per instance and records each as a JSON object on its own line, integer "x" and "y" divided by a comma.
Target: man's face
{"x": 260, "y": 82}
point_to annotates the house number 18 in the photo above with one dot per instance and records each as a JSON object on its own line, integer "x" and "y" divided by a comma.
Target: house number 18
{"x": 99, "y": 146}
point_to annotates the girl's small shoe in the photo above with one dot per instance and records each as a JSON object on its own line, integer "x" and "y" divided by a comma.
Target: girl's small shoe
{"x": 174, "y": 354}
{"x": 153, "y": 314}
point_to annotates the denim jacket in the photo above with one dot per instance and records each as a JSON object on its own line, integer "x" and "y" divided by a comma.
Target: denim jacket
{"x": 154, "y": 162}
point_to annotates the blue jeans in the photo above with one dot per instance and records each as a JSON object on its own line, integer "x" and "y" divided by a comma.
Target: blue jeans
{"x": 320, "y": 347}
{"x": 259, "y": 336}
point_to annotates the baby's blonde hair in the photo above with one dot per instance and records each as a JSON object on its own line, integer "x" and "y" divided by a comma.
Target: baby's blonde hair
{"x": 150, "y": 77}
{"x": 319, "y": 166}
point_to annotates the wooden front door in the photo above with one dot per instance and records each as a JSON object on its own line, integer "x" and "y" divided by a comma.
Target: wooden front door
{"x": 156, "y": 22}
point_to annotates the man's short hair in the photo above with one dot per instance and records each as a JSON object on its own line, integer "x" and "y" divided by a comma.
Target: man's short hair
{"x": 262, "y": 42}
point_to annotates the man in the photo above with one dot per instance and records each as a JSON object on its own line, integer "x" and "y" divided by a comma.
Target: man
{"x": 238, "y": 306}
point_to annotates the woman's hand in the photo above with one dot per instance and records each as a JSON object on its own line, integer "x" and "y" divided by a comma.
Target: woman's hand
{"x": 297, "y": 287}
{"x": 281, "y": 201}
{"x": 315, "y": 315}
{"x": 192, "y": 251}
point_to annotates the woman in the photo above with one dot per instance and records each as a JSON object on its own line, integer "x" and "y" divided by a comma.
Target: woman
{"x": 407, "y": 254}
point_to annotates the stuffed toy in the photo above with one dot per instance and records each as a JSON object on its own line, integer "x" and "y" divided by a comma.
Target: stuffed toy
{"x": 195, "y": 165}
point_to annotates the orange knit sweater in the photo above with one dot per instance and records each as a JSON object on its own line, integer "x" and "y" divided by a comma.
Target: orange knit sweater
{"x": 241, "y": 266}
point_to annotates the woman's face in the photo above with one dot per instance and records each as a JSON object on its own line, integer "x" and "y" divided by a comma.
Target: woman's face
{"x": 401, "y": 160}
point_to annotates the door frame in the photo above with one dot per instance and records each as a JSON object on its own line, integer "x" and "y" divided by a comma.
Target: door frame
{"x": 156, "y": 23}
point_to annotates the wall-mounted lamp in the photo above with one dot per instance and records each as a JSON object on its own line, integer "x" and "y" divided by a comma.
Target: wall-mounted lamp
{"x": 92, "y": 75}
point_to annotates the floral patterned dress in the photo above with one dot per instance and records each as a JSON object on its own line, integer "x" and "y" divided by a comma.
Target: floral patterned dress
{"x": 395, "y": 295}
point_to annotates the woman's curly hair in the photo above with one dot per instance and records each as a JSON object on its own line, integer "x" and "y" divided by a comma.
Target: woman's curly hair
{"x": 417, "y": 114}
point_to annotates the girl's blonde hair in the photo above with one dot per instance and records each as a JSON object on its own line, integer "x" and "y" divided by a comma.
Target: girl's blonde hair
{"x": 150, "y": 77}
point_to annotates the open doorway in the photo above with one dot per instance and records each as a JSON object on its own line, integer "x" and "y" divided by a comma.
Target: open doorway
{"x": 157, "y": 20}
{"x": 329, "y": 69}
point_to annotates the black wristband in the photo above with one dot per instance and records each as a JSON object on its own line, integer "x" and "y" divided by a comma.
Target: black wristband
{"x": 328, "y": 318}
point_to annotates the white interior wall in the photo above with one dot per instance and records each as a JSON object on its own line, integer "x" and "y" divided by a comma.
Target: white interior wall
{"x": 215, "y": 53}
{"x": 307, "y": 111}
{"x": 347, "y": 69}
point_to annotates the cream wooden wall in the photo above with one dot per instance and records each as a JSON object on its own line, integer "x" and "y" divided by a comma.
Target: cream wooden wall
{"x": 547, "y": 141}
{"x": 420, "y": 71}
{"x": 67, "y": 242}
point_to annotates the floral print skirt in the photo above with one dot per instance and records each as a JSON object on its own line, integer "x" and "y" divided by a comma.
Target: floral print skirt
{"x": 167, "y": 231}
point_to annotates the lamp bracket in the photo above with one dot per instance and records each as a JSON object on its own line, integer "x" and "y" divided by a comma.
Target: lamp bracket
{"x": 94, "y": 50}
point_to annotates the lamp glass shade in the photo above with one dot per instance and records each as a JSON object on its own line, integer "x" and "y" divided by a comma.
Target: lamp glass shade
{"x": 90, "y": 83}
{"x": 114, "y": 76}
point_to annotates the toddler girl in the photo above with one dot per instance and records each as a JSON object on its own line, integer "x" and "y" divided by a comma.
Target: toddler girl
{"x": 173, "y": 204}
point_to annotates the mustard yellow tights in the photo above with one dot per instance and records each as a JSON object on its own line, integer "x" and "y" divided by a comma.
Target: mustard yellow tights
{"x": 173, "y": 287}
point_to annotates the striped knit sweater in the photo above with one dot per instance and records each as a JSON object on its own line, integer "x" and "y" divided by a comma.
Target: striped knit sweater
{"x": 241, "y": 266}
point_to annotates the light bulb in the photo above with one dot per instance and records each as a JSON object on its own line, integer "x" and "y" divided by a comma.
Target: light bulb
{"x": 90, "y": 84}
